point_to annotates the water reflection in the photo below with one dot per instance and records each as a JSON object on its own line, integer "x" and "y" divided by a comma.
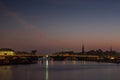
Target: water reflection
{"x": 61, "y": 70}
{"x": 5, "y": 73}
{"x": 46, "y": 69}
{"x": 74, "y": 62}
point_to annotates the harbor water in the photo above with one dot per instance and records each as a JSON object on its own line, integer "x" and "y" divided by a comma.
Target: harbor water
{"x": 61, "y": 70}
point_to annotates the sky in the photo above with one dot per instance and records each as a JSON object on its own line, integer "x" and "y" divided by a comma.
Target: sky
{"x": 59, "y": 25}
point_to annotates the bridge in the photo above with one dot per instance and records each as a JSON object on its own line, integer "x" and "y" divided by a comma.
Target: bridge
{"x": 55, "y": 57}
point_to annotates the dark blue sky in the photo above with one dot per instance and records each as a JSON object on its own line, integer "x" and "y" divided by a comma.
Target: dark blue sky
{"x": 56, "y": 25}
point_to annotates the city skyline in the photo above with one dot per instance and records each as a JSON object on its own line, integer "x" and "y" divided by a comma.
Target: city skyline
{"x": 59, "y": 25}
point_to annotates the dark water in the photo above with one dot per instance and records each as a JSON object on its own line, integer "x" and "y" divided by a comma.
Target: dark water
{"x": 61, "y": 70}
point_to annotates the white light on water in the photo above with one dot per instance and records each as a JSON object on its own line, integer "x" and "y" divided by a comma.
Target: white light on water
{"x": 46, "y": 63}
{"x": 46, "y": 69}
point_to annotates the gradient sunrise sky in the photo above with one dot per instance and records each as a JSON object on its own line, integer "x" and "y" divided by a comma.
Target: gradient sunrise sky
{"x": 59, "y": 25}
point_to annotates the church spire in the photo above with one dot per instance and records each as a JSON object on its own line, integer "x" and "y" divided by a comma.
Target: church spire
{"x": 83, "y": 49}
{"x": 111, "y": 49}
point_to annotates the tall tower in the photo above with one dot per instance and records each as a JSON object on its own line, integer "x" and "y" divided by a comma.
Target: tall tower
{"x": 83, "y": 49}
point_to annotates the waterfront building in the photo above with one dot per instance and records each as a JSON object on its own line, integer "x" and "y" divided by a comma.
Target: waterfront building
{"x": 6, "y": 51}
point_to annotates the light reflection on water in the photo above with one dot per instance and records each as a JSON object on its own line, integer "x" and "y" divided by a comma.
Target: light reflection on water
{"x": 61, "y": 70}
{"x": 5, "y": 70}
{"x": 46, "y": 76}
